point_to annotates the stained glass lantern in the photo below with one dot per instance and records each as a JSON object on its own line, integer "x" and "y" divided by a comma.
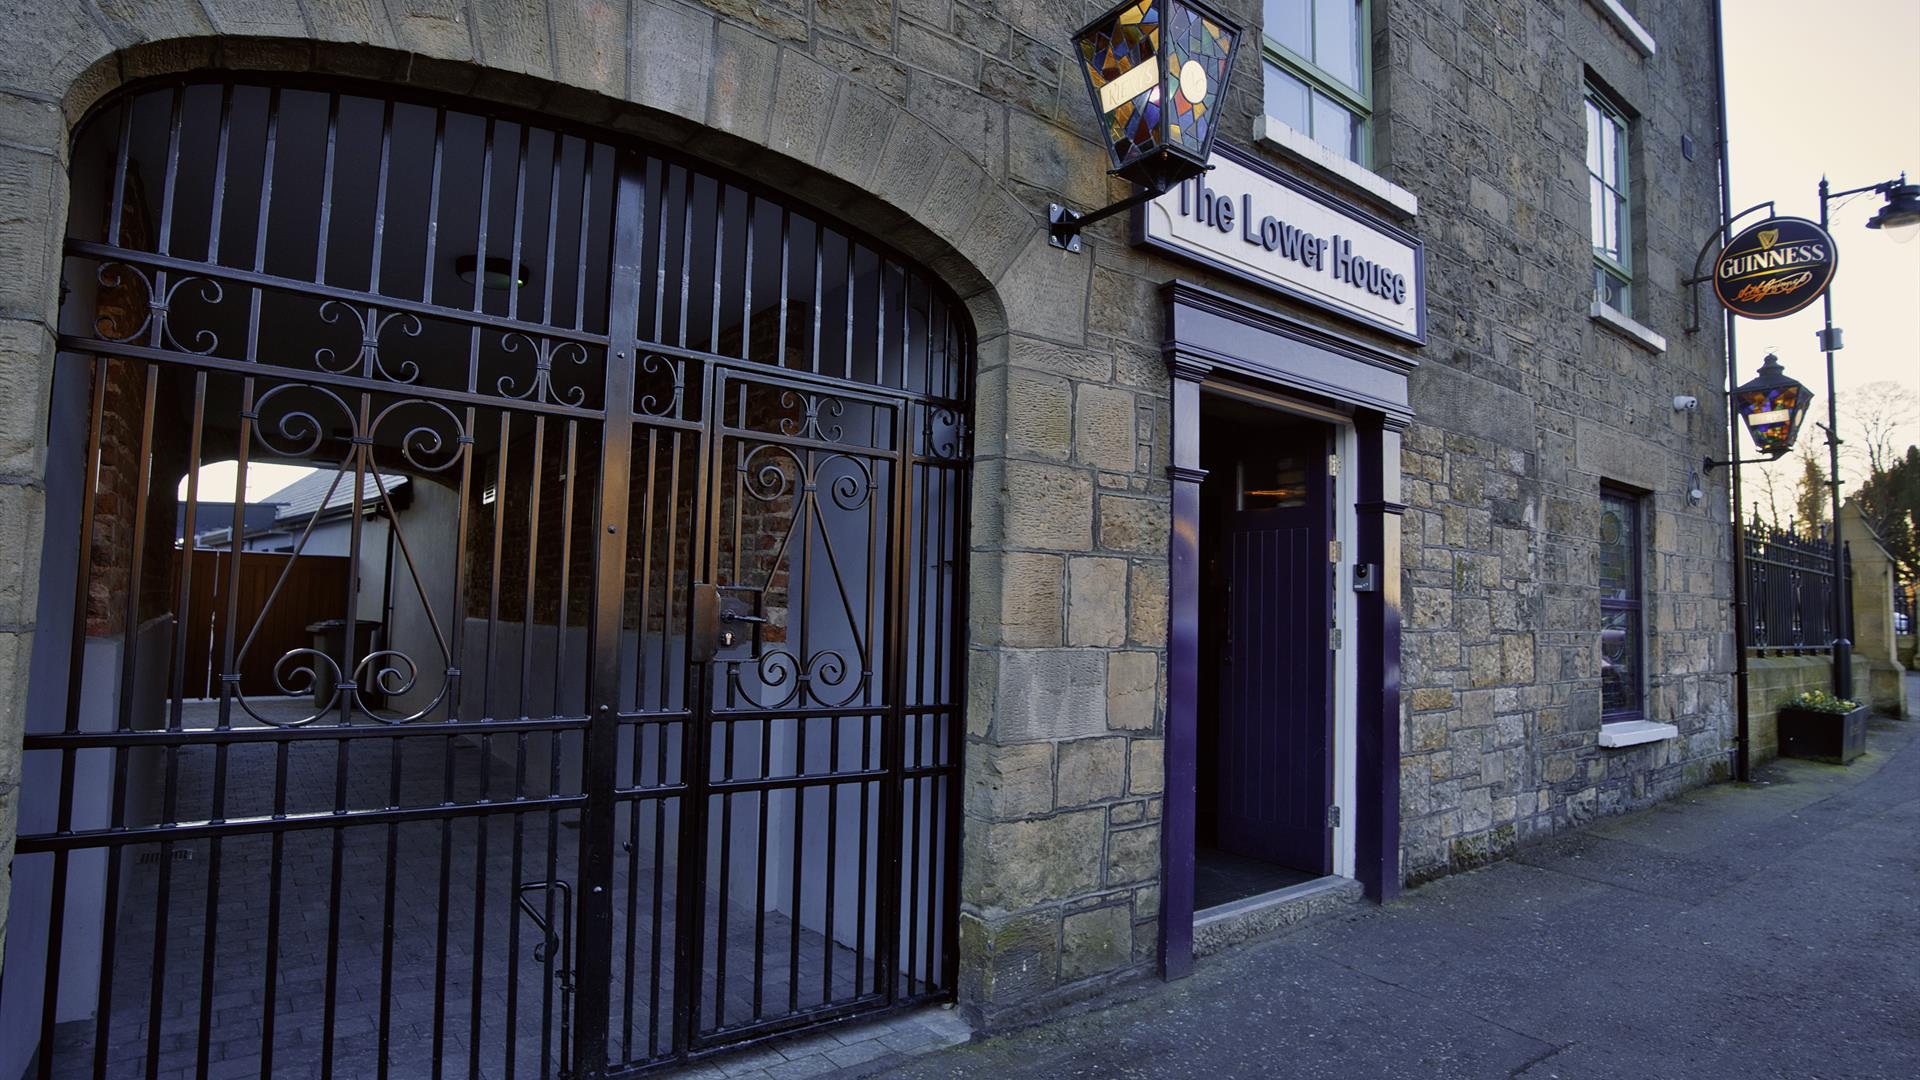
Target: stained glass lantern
{"x": 1157, "y": 70}
{"x": 1772, "y": 406}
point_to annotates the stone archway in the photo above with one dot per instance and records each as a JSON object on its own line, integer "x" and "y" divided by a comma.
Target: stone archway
{"x": 933, "y": 168}
{"x": 906, "y": 419}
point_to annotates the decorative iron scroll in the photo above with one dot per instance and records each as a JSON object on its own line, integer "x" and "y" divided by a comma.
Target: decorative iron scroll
{"x": 158, "y": 305}
{"x": 295, "y": 420}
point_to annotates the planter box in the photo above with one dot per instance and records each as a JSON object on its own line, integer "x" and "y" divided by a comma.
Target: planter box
{"x": 1820, "y": 736}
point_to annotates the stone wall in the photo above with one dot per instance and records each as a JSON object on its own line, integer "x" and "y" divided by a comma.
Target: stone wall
{"x": 1525, "y": 404}
{"x": 1772, "y": 681}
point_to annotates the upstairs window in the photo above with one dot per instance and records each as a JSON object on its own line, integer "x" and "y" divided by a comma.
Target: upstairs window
{"x": 1608, "y": 207}
{"x": 1317, "y": 71}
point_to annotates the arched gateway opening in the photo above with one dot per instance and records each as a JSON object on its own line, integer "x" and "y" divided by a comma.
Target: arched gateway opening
{"x": 596, "y": 705}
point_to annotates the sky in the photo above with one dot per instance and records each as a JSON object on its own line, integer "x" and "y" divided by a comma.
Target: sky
{"x": 218, "y": 480}
{"x": 1830, "y": 88}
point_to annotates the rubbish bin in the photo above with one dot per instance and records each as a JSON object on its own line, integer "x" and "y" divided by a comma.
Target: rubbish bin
{"x": 330, "y": 637}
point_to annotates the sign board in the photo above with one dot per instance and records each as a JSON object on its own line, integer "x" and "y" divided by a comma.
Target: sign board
{"x": 1774, "y": 268}
{"x": 1248, "y": 219}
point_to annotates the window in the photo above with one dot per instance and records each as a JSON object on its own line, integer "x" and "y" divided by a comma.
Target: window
{"x": 1607, "y": 134}
{"x": 1621, "y": 671}
{"x": 1317, "y": 71}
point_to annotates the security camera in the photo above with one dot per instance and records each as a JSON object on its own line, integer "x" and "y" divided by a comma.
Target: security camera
{"x": 1686, "y": 403}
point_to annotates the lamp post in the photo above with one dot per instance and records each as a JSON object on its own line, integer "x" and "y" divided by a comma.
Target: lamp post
{"x": 1900, "y": 219}
{"x": 1157, "y": 71}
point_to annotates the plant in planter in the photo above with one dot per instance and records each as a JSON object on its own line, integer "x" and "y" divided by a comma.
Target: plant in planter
{"x": 1821, "y": 727}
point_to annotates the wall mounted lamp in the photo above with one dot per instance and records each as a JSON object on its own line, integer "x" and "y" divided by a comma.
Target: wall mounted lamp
{"x": 1157, "y": 71}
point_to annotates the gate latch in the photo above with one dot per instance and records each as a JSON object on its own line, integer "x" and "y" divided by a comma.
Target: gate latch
{"x": 725, "y": 624}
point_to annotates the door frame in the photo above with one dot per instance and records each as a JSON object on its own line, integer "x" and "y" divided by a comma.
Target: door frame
{"x": 1214, "y": 341}
{"x": 1345, "y": 527}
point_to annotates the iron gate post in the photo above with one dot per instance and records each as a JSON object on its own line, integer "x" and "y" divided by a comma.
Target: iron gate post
{"x": 595, "y": 943}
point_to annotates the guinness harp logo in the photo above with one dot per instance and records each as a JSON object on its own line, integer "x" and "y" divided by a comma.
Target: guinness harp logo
{"x": 1774, "y": 268}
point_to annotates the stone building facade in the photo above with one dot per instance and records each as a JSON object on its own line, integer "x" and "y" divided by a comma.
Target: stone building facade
{"x": 1465, "y": 699}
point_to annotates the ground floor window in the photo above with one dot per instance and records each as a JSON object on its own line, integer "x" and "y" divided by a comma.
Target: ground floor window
{"x": 1621, "y": 653}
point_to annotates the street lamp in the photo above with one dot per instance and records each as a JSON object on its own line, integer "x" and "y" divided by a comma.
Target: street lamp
{"x": 1900, "y": 218}
{"x": 1157, "y": 71}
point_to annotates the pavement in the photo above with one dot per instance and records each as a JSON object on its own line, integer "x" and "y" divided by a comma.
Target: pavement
{"x": 1755, "y": 931}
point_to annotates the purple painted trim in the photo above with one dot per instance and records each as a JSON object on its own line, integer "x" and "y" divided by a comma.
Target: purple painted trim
{"x": 1183, "y": 662}
{"x": 1378, "y": 614}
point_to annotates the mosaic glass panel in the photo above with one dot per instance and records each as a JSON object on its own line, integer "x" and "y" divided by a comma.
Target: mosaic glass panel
{"x": 1198, "y": 51}
{"x": 1119, "y": 62}
{"x": 1770, "y": 417}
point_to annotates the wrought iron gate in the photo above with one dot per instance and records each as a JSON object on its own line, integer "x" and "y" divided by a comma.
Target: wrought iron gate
{"x": 635, "y": 733}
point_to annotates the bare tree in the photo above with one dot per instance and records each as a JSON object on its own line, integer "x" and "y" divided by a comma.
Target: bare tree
{"x": 1880, "y": 413}
{"x": 1769, "y": 484}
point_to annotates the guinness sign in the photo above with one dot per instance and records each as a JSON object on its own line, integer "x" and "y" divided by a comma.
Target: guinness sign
{"x": 1774, "y": 268}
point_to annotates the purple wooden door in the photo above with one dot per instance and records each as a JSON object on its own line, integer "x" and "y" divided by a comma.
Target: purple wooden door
{"x": 1275, "y": 767}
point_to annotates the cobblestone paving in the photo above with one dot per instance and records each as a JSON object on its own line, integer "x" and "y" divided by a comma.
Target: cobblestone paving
{"x": 214, "y": 990}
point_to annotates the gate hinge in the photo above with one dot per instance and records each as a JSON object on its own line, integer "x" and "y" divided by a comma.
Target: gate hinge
{"x": 1333, "y": 638}
{"x": 1333, "y": 817}
{"x": 1333, "y": 464}
{"x": 1333, "y": 552}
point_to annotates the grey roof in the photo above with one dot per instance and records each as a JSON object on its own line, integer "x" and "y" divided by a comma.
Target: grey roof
{"x": 302, "y": 498}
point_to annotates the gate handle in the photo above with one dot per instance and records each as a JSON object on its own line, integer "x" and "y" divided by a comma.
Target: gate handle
{"x": 734, "y": 616}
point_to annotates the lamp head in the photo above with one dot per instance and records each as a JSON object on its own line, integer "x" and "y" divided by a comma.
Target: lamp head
{"x": 1772, "y": 406}
{"x": 1157, "y": 71}
{"x": 1900, "y": 217}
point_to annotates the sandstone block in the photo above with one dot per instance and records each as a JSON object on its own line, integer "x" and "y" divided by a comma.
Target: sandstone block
{"x": 1104, "y": 428}
{"x": 1018, "y": 864}
{"x": 1051, "y": 694}
{"x": 1146, "y": 770}
{"x": 1046, "y": 506}
{"x": 1091, "y": 770}
{"x": 1134, "y": 524}
{"x": 1132, "y": 690}
{"x": 1095, "y": 941}
{"x": 1133, "y": 855}
{"x": 1010, "y": 781}
{"x": 1096, "y": 601}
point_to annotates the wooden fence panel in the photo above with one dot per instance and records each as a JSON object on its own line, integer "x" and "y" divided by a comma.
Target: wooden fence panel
{"x": 315, "y": 588}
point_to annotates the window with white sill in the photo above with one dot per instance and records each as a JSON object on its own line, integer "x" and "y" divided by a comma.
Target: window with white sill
{"x": 1318, "y": 72}
{"x": 1609, "y": 207}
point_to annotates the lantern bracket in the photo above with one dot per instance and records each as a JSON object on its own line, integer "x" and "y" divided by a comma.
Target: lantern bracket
{"x": 1709, "y": 464}
{"x": 1064, "y": 225}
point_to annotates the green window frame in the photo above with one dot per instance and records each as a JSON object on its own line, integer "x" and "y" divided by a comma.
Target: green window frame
{"x": 1319, "y": 72}
{"x": 1610, "y": 205}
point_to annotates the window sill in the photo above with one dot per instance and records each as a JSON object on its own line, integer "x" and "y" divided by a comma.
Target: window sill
{"x": 1626, "y": 327}
{"x": 1628, "y": 26}
{"x": 1624, "y": 733}
{"x": 1301, "y": 148}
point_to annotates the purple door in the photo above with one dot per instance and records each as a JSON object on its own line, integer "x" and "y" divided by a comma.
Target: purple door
{"x": 1275, "y": 768}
